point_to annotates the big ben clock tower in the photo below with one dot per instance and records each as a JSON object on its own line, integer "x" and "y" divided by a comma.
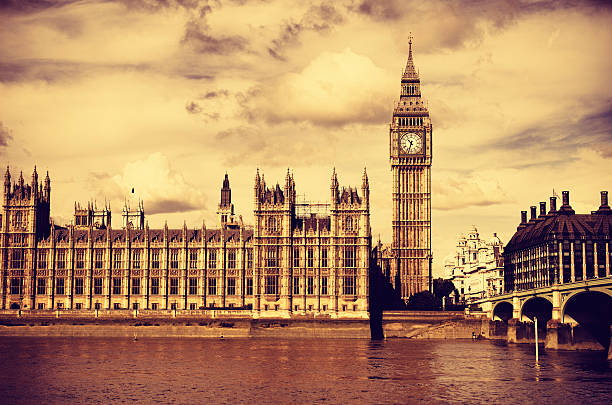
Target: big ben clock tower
{"x": 410, "y": 156}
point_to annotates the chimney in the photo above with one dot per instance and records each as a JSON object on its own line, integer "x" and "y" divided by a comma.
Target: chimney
{"x": 523, "y": 223}
{"x": 542, "y": 209}
{"x": 533, "y": 213}
{"x": 553, "y": 205}
{"x": 566, "y": 207}
{"x": 604, "y": 208}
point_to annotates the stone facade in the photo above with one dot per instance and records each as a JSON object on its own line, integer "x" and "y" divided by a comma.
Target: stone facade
{"x": 476, "y": 269}
{"x": 311, "y": 258}
{"x": 410, "y": 140}
{"x": 90, "y": 265}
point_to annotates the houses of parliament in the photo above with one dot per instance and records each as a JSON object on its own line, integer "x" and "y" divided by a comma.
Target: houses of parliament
{"x": 297, "y": 258}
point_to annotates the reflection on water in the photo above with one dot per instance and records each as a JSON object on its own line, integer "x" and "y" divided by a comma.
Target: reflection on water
{"x": 67, "y": 370}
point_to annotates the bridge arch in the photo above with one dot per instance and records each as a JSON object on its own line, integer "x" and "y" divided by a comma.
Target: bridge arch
{"x": 502, "y": 311}
{"x": 537, "y": 306}
{"x": 592, "y": 309}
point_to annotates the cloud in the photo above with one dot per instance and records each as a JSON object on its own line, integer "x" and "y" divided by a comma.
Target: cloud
{"x": 199, "y": 40}
{"x": 455, "y": 191}
{"x": 319, "y": 18}
{"x": 331, "y": 91}
{"x": 5, "y": 135}
{"x": 193, "y": 108}
{"x": 215, "y": 94}
{"x": 155, "y": 182}
{"x": 58, "y": 70}
{"x": 564, "y": 134}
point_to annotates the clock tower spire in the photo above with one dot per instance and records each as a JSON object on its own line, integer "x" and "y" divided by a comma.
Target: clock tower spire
{"x": 410, "y": 152}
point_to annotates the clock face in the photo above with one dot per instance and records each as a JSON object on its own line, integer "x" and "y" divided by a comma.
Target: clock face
{"x": 411, "y": 142}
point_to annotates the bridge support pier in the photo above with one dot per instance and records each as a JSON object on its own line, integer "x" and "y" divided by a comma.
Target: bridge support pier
{"x": 516, "y": 330}
{"x": 558, "y": 335}
{"x": 610, "y": 347}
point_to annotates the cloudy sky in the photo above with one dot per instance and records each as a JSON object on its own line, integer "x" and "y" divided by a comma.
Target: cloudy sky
{"x": 167, "y": 96}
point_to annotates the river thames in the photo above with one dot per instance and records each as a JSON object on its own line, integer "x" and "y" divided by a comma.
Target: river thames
{"x": 97, "y": 370}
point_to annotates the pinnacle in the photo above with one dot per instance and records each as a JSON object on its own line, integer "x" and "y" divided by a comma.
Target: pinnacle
{"x": 410, "y": 71}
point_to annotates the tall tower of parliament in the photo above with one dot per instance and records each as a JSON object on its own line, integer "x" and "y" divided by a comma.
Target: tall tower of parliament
{"x": 410, "y": 155}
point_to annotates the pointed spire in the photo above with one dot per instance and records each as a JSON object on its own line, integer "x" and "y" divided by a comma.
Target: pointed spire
{"x": 410, "y": 72}
{"x": 364, "y": 178}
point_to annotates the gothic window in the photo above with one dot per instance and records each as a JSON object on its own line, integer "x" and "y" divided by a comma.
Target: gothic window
{"x": 42, "y": 259}
{"x": 61, "y": 258}
{"x": 324, "y": 257}
{"x": 98, "y": 286}
{"x": 249, "y": 259}
{"x": 310, "y": 257}
{"x": 193, "y": 259}
{"x": 310, "y": 285}
{"x": 17, "y": 258}
{"x": 78, "y": 286}
{"x": 41, "y": 286}
{"x": 60, "y": 286}
{"x": 249, "y": 286}
{"x": 174, "y": 284}
{"x": 80, "y": 259}
{"x": 15, "y": 285}
{"x": 116, "y": 285}
{"x": 231, "y": 258}
{"x": 324, "y": 285}
{"x": 135, "y": 286}
{"x": 174, "y": 259}
{"x": 271, "y": 287}
{"x": 271, "y": 256}
{"x": 193, "y": 285}
{"x": 117, "y": 259}
{"x": 296, "y": 285}
{"x": 155, "y": 258}
{"x": 349, "y": 285}
{"x": 212, "y": 259}
{"x": 155, "y": 286}
{"x": 231, "y": 286}
{"x": 212, "y": 286}
{"x": 349, "y": 256}
{"x": 99, "y": 258}
{"x": 296, "y": 257}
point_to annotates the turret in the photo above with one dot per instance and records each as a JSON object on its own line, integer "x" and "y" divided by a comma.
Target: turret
{"x": 226, "y": 208}
{"x": 47, "y": 189}
{"x": 334, "y": 189}
{"x": 7, "y": 184}
{"x": 34, "y": 184}
{"x": 365, "y": 187}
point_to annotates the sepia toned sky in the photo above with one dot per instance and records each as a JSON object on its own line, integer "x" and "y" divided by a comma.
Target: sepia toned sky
{"x": 168, "y": 96}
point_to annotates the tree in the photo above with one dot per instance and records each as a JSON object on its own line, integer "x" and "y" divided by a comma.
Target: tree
{"x": 442, "y": 288}
{"x": 424, "y": 301}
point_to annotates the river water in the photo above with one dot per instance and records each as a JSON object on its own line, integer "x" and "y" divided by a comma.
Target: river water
{"x": 98, "y": 370}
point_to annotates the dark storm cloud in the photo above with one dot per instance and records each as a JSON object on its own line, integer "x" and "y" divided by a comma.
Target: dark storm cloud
{"x": 321, "y": 17}
{"x": 171, "y": 206}
{"x": 5, "y": 136}
{"x": 198, "y": 38}
{"x": 565, "y": 135}
{"x": 49, "y": 70}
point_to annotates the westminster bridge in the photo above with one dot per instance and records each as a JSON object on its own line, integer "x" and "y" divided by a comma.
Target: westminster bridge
{"x": 564, "y": 313}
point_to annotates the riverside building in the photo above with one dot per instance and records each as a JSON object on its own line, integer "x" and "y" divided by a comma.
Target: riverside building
{"x": 299, "y": 259}
{"x": 559, "y": 246}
